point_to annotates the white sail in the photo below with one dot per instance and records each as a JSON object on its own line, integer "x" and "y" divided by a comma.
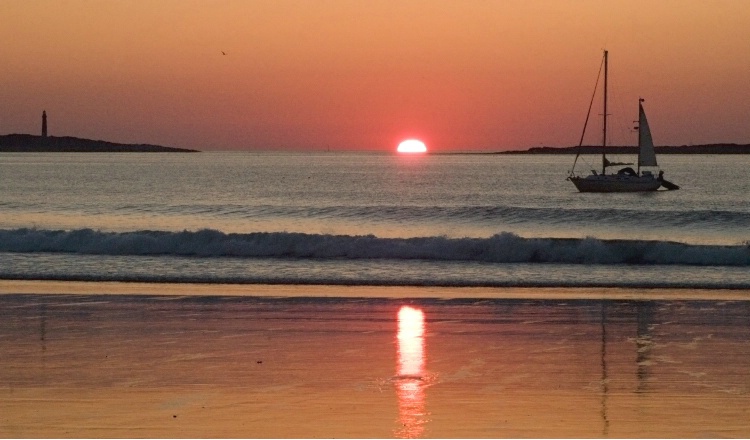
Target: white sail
{"x": 646, "y": 154}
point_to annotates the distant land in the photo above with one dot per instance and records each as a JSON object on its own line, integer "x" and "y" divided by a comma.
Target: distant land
{"x": 684, "y": 149}
{"x": 28, "y": 143}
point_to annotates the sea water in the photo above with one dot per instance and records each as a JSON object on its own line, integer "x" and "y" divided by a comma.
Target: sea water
{"x": 365, "y": 218}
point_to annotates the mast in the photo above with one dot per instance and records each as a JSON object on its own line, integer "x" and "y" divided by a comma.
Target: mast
{"x": 588, "y": 114}
{"x": 604, "y": 136}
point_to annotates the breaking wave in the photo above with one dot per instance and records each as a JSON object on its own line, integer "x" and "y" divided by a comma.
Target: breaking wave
{"x": 500, "y": 248}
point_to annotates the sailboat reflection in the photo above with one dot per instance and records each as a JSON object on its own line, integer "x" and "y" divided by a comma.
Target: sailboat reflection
{"x": 410, "y": 372}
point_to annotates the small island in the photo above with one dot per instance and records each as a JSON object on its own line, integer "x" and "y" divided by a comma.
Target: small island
{"x": 27, "y": 143}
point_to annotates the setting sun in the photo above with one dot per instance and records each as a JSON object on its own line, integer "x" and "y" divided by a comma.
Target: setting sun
{"x": 412, "y": 146}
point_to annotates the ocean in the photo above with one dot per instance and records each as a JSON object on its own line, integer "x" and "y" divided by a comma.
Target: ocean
{"x": 333, "y": 295}
{"x": 368, "y": 219}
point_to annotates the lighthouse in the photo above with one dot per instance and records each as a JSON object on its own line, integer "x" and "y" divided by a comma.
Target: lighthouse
{"x": 44, "y": 123}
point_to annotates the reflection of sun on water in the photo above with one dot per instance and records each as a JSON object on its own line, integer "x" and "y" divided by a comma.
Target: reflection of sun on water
{"x": 411, "y": 362}
{"x": 410, "y": 343}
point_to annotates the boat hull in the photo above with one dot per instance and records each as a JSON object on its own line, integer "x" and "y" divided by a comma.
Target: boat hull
{"x": 615, "y": 183}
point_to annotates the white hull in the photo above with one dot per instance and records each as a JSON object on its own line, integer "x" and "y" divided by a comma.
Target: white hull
{"x": 615, "y": 183}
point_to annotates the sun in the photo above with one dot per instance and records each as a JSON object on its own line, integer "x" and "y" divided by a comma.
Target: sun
{"x": 412, "y": 146}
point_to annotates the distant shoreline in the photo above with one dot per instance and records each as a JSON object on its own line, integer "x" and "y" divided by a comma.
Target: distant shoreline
{"x": 27, "y": 143}
{"x": 684, "y": 149}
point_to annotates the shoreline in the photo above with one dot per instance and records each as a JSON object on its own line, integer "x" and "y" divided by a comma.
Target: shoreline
{"x": 113, "y": 288}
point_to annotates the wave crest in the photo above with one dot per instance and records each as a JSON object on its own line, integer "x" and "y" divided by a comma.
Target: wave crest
{"x": 500, "y": 248}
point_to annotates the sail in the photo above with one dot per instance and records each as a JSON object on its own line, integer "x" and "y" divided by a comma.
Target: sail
{"x": 646, "y": 154}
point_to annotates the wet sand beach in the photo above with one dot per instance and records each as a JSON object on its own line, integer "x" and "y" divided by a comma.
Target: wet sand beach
{"x": 130, "y": 360}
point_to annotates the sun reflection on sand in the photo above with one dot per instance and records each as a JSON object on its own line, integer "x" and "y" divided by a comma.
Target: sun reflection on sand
{"x": 410, "y": 387}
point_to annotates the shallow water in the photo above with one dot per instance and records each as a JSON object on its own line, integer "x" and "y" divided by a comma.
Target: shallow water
{"x": 220, "y": 366}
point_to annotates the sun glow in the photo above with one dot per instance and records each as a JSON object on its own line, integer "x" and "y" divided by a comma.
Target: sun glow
{"x": 412, "y": 146}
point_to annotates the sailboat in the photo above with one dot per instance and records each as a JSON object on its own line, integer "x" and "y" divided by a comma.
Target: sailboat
{"x": 626, "y": 179}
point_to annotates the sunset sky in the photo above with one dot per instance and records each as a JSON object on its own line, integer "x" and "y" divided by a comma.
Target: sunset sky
{"x": 364, "y": 75}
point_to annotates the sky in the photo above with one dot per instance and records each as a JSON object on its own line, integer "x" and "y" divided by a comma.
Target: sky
{"x": 363, "y": 75}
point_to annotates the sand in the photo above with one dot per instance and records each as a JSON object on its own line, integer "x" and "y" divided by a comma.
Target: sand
{"x": 129, "y": 360}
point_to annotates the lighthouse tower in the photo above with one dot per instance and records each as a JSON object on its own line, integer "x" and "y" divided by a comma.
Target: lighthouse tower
{"x": 44, "y": 124}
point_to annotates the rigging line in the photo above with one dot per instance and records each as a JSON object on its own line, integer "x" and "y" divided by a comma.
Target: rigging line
{"x": 588, "y": 114}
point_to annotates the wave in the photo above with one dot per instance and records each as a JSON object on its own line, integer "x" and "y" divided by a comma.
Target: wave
{"x": 479, "y": 213}
{"x": 500, "y": 248}
{"x": 387, "y": 212}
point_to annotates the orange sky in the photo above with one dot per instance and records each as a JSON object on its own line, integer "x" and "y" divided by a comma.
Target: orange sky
{"x": 354, "y": 75}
